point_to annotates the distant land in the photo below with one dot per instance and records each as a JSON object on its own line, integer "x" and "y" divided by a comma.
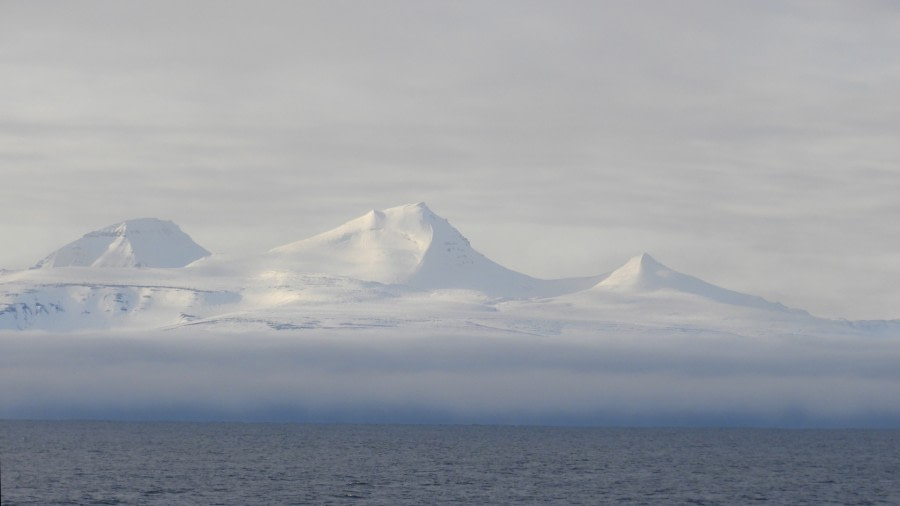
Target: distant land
{"x": 396, "y": 267}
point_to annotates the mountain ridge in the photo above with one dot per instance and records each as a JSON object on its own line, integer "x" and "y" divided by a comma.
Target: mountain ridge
{"x": 384, "y": 266}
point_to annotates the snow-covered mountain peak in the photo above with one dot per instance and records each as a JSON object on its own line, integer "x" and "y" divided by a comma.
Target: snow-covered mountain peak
{"x": 409, "y": 217}
{"x": 644, "y": 264}
{"x": 143, "y": 242}
{"x": 417, "y": 207}
{"x": 644, "y": 275}
{"x": 409, "y": 245}
{"x": 418, "y": 212}
{"x": 383, "y": 246}
{"x": 138, "y": 226}
{"x": 386, "y": 246}
{"x": 647, "y": 261}
{"x": 640, "y": 272}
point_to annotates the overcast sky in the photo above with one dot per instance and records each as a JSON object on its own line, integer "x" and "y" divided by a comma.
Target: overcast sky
{"x": 753, "y": 144}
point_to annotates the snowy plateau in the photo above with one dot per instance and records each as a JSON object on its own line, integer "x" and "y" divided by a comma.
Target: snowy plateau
{"x": 403, "y": 268}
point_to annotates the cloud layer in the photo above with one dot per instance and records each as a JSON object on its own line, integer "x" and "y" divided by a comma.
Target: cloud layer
{"x": 383, "y": 377}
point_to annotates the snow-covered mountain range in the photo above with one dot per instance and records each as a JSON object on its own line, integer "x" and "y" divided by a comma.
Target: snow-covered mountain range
{"x": 399, "y": 267}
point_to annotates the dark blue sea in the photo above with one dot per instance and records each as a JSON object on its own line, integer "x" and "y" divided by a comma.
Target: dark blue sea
{"x": 232, "y": 463}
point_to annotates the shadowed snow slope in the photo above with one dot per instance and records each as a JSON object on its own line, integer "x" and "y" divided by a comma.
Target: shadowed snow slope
{"x": 146, "y": 242}
{"x": 642, "y": 275}
{"x": 413, "y": 246}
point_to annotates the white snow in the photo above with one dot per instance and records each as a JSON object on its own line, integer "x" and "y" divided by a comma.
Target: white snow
{"x": 643, "y": 274}
{"x": 384, "y": 246}
{"x": 413, "y": 246}
{"x": 146, "y": 242}
{"x": 400, "y": 268}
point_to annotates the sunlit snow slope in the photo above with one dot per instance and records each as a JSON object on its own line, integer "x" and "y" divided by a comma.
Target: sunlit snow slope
{"x": 411, "y": 245}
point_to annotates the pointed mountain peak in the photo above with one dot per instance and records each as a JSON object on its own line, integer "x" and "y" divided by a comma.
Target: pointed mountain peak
{"x": 385, "y": 246}
{"x": 143, "y": 242}
{"x": 137, "y": 226}
{"x": 646, "y": 262}
{"x": 640, "y": 272}
{"x": 643, "y": 274}
{"x": 373, "y": 219}
{"x": 417, "y": 209}
{"x": 416, "y": 206}
{"x": 407, "y": 244}
{"x": 407, "y": 216}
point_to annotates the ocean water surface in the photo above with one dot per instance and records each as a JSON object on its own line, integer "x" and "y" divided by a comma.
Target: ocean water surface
{"x": 69, "y": 462}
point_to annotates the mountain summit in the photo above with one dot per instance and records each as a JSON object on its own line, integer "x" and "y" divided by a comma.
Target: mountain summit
{"x": 409, "y": 245}
{"x": 145, "y": 242}
{"x": 385, "y": 246}
{"x": 643, "y": 275}
{"x": 643, "y": 272}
